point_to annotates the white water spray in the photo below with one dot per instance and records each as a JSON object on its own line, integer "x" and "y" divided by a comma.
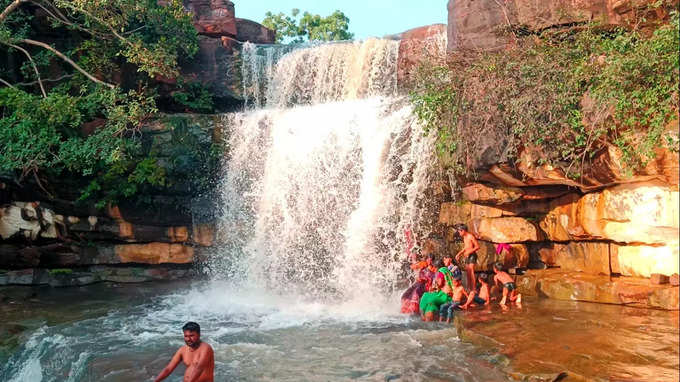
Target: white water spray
{"x": 317, "y": 196}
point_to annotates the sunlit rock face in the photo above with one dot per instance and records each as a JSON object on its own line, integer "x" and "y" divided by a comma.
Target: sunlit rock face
{"x": 477, "y": 24}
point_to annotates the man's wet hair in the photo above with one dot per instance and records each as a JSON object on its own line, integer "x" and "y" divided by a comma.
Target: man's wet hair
{"x": 498, "y": 265}
{"x": 482, "y": 276}
{"x": 430, "y": 256}
{"x": 460, "y": 226}
{"x": 191, "y": 327}
{"x": 440, "y": 263}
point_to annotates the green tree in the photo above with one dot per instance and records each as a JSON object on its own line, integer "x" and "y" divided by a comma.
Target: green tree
{"x": 309, "y": 27}
{"x": 99, "y": 73}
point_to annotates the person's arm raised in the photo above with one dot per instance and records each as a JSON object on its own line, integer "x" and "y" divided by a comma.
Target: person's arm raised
{"x": 171, "y": 366}
{"x": 199, "y": 365}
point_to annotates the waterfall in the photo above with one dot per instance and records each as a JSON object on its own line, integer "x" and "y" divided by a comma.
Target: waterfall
{"x": 324, "y": 174}
{"x": 285, "y": 75}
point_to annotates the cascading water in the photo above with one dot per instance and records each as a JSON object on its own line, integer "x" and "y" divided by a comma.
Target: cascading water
{"x": 321, "y": 182}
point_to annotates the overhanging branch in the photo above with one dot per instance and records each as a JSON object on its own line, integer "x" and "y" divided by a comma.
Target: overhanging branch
{"x": 14, "y": 5}
{"x": 68, "y": 60}
{"x": 35, "y": 67}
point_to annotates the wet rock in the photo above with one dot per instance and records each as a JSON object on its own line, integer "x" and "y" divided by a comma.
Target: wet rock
{"x": 17, "y": 277}
{"x": 505, "y": 230}
{"x": 564, "y": 285}
{"x": 154, "y": 253}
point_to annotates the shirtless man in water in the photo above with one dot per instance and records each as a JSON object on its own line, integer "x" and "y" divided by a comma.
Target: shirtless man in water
{"x": 197, "y": 356}
{"x": 470, "y": 247}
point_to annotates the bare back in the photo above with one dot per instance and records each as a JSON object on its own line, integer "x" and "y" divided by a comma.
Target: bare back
{"x": 503, "y": 278}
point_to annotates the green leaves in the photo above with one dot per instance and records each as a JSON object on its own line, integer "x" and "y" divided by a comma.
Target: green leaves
{"x": 566, "y": 95}
{"x": 309, "y": 27}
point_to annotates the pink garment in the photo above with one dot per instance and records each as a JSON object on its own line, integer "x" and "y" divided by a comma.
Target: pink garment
{"x": 500, "y": 247}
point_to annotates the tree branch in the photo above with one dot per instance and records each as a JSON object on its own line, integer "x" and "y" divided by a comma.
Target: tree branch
{"x": 45, "y": 80}
{"x": 10, "y": 8}
{"x": 7, "y": 84}
{"x": 68, "y": 60}
{"x": 35, "y": 67}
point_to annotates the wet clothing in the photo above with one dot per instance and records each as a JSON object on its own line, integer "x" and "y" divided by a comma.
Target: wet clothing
{"x": 445, "y": 273}
{"x": 510, "y": 286}
{"x": 478, "y": 300}
{"x": 471, "y": 259}
{"x": 500, "y": 247}
{"x": 431, "y": 301}
{"x": 410, "y": 299}
{"x": 446, "y": 310}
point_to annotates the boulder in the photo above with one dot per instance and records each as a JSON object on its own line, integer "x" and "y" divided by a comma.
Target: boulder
{"x": 27, "y": 221}
{"x": 505, "y": 230}
{"x": 564, "y": 285}
{"x": 213, "y": 17}
{"x": 154, "y": 253}
{"x": 643, "y": 260}
{"x": 247, "y": 30}
{"x": 628, "y": 213}
{"x": 486, "y": 194}
{"x": 452, "y": 213}
{"x": 587, "y": 257}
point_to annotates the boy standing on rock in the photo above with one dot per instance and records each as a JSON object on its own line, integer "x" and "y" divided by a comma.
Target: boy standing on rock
{"x": 505, "y": 280}
{"x": 470, "y": 247}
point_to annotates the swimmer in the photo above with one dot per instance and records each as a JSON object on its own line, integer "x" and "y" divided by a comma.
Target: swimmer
{"x": 469, "y": 252}
{"x": 197, "y": 356}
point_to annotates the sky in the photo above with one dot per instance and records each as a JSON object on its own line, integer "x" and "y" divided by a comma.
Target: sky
{"x": 367, "y": 18}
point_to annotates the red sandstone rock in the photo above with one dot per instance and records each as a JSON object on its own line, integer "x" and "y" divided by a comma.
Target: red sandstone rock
{"x": 479, "y": 24}
{"x": 658, "y": 279}
{"x": 154, "y": 253}
{"x": 587, "y": 257}
{"x": 560, "y": 285}
{"x": 213, "y": 17}
{"x": 419, "y": 45}
{"x": 248, "y": 30}
{"x": 505, "y": 230}
{"x": 485, "y": 194}
{"x": 453, "y": 213}
{"x": 674, "y": 279}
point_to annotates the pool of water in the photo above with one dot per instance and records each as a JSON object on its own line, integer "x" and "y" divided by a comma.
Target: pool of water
{"x": 128, "y": 333}
{"x": 111, "y": 332}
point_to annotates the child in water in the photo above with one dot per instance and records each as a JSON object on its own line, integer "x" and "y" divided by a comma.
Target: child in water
{"x": 481, "y": 298}
{"x": 458, "y": 294}
{"x": 508, "y": 284}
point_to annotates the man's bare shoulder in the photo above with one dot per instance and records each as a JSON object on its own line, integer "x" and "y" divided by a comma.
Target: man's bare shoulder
{"x": 205, "y": 347}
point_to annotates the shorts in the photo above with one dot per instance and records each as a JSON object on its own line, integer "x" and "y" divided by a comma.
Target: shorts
{"x": 478, "y": 300}
{"x": 446, "y": 310}
{"x": 471, "y": 259}
{"x": 510, "y": 286}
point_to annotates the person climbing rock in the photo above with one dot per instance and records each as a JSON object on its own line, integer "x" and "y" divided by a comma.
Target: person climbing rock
{"x": 198, "y": 357}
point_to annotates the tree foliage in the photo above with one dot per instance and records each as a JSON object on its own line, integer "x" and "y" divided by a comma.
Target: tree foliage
{"x": 309, "y": 27}
{"x": 567, "y": 94}
{"x": 74, "y": 105}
